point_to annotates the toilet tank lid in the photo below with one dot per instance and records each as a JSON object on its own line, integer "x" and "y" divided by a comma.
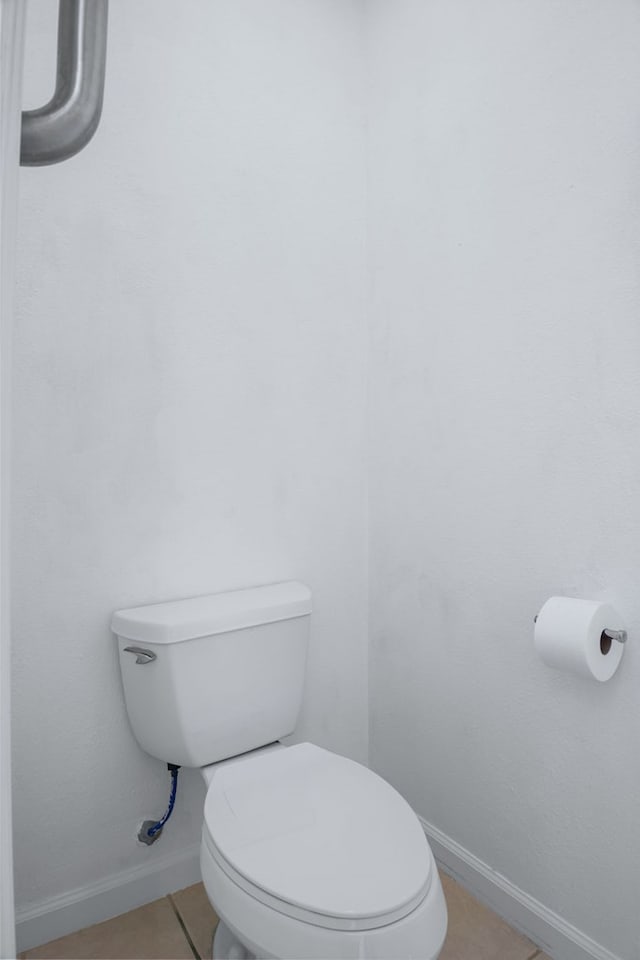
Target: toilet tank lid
{"x": 216, "y": 613}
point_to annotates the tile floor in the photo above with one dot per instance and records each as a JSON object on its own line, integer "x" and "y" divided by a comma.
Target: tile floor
{"x": 180, "y": 927}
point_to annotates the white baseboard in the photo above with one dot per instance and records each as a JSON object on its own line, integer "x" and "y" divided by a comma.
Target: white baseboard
{"x": 550, "y": 932}
{"x": 106, "y": 898}
{"x": 125, "y": 891}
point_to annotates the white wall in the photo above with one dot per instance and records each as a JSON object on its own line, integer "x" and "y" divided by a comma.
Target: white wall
{"x": 11, "y": 51}
{"x": 505, "y": 454}
{"x": 189, "y": 392}
{"x": 190, "y": 410}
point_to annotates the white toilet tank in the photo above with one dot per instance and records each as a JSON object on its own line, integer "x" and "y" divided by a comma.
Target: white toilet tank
{"x": 212, "y": 677}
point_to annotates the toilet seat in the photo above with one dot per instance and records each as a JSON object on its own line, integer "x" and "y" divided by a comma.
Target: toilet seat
{"x": 318, "y": 838}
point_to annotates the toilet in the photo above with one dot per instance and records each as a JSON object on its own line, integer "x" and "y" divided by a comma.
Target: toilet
{"x": 304, "y": 853}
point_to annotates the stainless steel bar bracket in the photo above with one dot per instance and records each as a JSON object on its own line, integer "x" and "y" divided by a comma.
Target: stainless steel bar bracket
{"x": 64, "y": 125}
{"x": 620, "y": 635}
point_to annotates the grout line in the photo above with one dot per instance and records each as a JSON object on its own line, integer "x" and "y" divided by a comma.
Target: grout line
{"x": 534, "y": 955}
{"x": 192, "y": 945}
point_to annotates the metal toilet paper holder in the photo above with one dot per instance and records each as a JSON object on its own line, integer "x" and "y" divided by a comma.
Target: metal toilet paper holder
{"x": 619, "y": 635}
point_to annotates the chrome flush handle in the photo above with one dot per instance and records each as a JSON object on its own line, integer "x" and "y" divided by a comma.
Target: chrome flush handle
{"x": 142, "y": 656}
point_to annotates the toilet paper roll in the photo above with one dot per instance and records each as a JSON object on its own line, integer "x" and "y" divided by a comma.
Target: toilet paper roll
{"x": 569, "y": 635}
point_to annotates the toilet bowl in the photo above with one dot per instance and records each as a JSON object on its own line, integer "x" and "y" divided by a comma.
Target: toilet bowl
{"x": 304, "y": 853}
{"x": 307, "y": 854}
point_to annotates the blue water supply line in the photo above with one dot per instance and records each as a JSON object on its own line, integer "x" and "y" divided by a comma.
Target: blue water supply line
{"x": 151, "y": 829}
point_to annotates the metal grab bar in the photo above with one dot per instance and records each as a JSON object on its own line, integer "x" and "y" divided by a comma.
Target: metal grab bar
{"x": 64, "y": 125}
